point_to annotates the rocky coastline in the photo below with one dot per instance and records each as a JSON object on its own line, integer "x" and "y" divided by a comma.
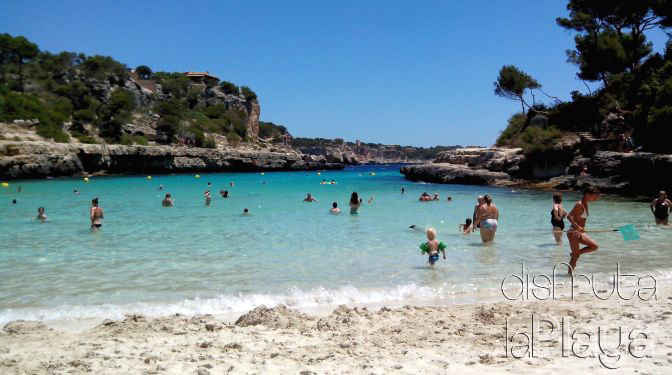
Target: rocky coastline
{"x": 628, "y": 174}
{"x": 37, "y": 159}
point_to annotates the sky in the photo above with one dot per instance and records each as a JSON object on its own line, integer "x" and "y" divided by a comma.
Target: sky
{"x": 386, "y": 71}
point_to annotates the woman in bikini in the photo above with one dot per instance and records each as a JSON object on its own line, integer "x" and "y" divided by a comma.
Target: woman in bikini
{"x": 96, "y": 215}
{"x": 577, "y": 219}
{"x": 558, "y": 215}
{"x": 488, "y": 219}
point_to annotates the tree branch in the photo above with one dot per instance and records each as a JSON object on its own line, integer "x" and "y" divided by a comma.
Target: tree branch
{"x": 588, "y": 87}
{"x": 550, "y": 96}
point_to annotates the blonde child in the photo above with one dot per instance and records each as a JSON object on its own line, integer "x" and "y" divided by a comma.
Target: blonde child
{"x": 432, "y": 247}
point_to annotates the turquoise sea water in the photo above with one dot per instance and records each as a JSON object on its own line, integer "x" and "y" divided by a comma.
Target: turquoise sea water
{"x": 196, "y": 259}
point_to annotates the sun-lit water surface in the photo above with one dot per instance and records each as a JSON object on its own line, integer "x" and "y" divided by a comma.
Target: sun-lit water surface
{"x": 196, "y": 259}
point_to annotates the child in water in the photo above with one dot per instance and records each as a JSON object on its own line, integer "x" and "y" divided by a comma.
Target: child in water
{"x": 466, "y": 227}
{"x": 432, "y": 247}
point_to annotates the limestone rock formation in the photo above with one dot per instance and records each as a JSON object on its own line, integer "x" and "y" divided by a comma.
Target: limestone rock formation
{"x": 42, "y": 159}
{"x": 455, "y": 174}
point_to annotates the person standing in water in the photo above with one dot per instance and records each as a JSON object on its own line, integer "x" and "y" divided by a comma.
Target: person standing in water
{"x": 433, "y": 247}
{"x": 660, "y": 207}
{"x": 479, "y": 203}
{"x": 488, "y": 219}
{"x": 355, "y": 203}
{"x": 167, "y": 201}
{"x": 208, "y": 198}
{"x": 577, "y": 218}
{"x": 40, "y": 215}
{"x": 558, "y": 215}
{"x": 96, "y": 214}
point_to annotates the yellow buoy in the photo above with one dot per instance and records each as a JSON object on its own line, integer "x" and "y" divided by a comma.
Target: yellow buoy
{"x": 197, "y": 176}
{"x": 149, "y": 177}
{"x": 262, "y": 173}
{"x": 318, "y": 173}
{"x": 5, "y": 184}
{"x": 86, "y": 179}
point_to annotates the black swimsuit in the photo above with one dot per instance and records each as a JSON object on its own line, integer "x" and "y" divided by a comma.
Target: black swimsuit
{"x": 557, "y": 223}
{"x": 662, "y": 211}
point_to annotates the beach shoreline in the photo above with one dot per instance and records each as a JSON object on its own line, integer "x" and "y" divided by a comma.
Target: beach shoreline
{"x": 462, "y": 338}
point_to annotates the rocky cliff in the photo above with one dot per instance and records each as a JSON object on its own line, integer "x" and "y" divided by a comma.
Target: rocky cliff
{"x": 631, "y": 174}
{"x": 42, "y": 159}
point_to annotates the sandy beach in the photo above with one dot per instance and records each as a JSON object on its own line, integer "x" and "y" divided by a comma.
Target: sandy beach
{"x": 465, "y": 339}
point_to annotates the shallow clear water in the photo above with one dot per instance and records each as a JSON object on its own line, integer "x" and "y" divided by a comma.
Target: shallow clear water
{"x": 196, "y": 259}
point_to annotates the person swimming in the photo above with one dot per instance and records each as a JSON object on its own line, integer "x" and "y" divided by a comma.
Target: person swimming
{"x": 660, "y": 207}
{"x": 323, "y": 182}
{"x": 355, "y": 203}
{"x": 231, "y": 184}
{"x": 488, "y": 218}
{"x": 424, "y": 197}
{"x": 14, "y": 201}
{"x": 96, "y": 214}
{"x": 160, "y": 187}
{"x": 224, "y": 193}
{"x": 209, "y": 184}
{"x": 436, "y": 197}
{"x": 40, "y": 215}
{"x": 246, "y": 212}
{"x": 403, "y": 190}
{"x": 333, "y": 182}
{"x": 466, "y": 228}
{"x": 75, "y": 191}
{"x": 577, "y": 219}
{"x": 449, "y": 199}
{"x": 334, "y": 209}
{"x": 208, "y": 198}
{"x": 558, "y": 215}
{"x": 309, "y": 198}
{"x": 167, "y": 201}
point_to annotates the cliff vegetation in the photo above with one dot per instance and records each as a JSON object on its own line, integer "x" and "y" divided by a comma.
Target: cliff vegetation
{"x": 611, "y": 48}
{"x": 98, "y": 99}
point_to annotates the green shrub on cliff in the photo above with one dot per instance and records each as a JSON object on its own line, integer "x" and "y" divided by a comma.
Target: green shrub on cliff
{"x": 14, "y": 106}
{"x": 209, "y": 142}
{"x": 248, "y": 94}
{"x": 269, "y": 130}
{"x": 229, "y": 88}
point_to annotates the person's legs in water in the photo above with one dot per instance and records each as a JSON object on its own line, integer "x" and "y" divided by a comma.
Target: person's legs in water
{"x": 575, "y": 242}
{"x": 557, "y": 233}
{"x": 488, "y": 229}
